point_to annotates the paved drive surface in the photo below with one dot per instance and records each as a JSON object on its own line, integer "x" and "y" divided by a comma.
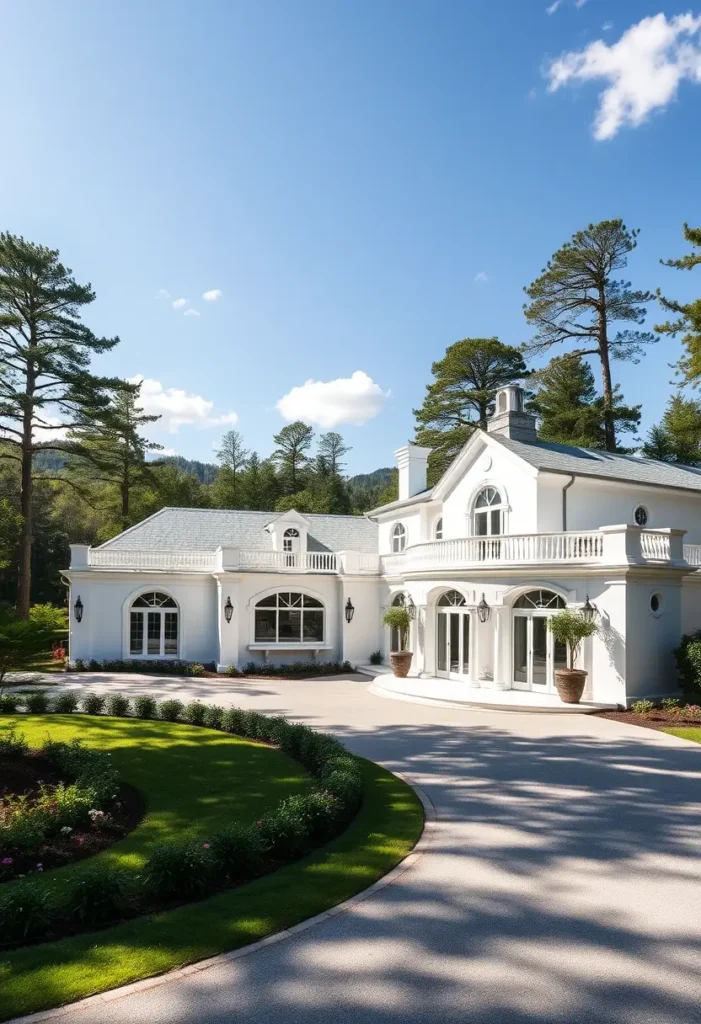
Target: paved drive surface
{"x": 563, "y": 884}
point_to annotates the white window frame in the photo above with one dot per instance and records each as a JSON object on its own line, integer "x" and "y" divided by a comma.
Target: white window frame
{"x": 438, "y": 528}
{"x": 646, "y": 510}
{"x": 399, "y": 537}
{"x": 160, "y": 610}
{"x": 502, "y": 507}
{"x": 286, "y": 644}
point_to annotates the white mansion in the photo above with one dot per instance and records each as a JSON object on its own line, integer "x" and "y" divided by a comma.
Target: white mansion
{"x": 515, "y": 529}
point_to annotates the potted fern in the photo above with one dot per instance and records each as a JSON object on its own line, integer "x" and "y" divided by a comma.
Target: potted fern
{"x": 398, "y": 617}
{"x": 571, "y": 628}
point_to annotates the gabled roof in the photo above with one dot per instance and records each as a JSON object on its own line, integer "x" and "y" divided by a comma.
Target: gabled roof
{"x": 550, "y": 457}
{"x": 200, "y": 529}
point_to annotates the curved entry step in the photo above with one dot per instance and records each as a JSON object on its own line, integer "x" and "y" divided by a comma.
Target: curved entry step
{"x": 449, "y": 694}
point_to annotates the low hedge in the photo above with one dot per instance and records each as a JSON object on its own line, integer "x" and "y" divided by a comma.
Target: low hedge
{"x": 157, "y": 668}
{"x": 688, "y": 658}
{"x": 33, "y": 909}
{"x": 293, "y": 668}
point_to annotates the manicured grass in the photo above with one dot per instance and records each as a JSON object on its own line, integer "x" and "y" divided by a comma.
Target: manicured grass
{"x": 382, "y": 834}
{"x": 194, "y": 780}
{"x": 686, "y": 734}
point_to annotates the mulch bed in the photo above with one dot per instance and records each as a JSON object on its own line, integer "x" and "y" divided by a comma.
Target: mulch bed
{"x": 24, "y": 775}
{"x": 658, "y": 719}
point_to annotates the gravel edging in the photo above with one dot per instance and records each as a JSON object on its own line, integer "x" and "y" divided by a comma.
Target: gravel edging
{"x": 425, "y": 840}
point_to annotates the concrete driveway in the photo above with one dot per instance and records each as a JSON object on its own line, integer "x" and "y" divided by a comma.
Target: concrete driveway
{"x": 563, "y": 884}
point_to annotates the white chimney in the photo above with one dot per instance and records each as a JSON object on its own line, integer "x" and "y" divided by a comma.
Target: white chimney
{"x": 411, "y": 463}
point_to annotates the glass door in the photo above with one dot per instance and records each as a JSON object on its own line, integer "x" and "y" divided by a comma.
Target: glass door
{"x": 453, "y": 644}
{"x": 536, "y": 655}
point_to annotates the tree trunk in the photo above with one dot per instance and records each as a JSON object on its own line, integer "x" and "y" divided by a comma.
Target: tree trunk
{"x": 24, "y": 581}
{"x": 125, "y": 498}
{"x": 609, "y": 425}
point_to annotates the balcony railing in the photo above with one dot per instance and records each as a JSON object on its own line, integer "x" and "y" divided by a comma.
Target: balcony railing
{"x": 515, "y": 549}
{"x": 692, "y": 554}
{"x": 161, "y": 561}
{"x": 288, "y": 561}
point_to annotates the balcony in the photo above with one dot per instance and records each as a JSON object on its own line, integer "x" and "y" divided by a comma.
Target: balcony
{"x": 224, "y": 559}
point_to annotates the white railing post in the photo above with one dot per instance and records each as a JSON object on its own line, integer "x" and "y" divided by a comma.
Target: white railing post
{"x": 622, "y": 544}
{"x": 80, "y": 556}
{"x": 227, "y": 559}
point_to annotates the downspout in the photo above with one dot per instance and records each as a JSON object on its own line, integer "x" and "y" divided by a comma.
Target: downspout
{"x": 565, "y": 489}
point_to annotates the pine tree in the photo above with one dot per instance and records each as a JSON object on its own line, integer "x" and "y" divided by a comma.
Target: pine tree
{"x": 461, "y": 397}
{"x": 688, "y": 315}
{"x": 331, "y": 450}
{"x": 291, "y": 455}
{"x": 45, "y": 381}
{"x": 678, "y": 437}
{"x": 576, "y": 300}
{"x": 233, "y": 458}
{"x": 569, "y": 407}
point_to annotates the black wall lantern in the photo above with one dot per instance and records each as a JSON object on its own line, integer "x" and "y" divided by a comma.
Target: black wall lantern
{"x": 588, "y": 610}
{"x": 78, "y": 609}
{"x": 350, "y": 610}
{"x": 228, "y": 609}
{"x": 483, "y": 610}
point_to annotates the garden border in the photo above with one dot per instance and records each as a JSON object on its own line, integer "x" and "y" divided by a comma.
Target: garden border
{"x": 347, "y": 906}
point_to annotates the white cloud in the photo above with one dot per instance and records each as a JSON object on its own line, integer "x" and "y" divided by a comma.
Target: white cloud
{"x": 553, "y": 7}
{"x": 607, "y": 26}
{"x": 482, "y": 277}
{"x": 162, "y": 294}
{"x": 642, "y": 70}
{"x": 177, "y": 408}
{"x": 355, "y": 399}
{"x": 213, "y": 295}
{"x": 159, "y": 454}
{"x": 179, "y": 303}
{"x": 579, "y": 3}
{"x": 191, "y": 312}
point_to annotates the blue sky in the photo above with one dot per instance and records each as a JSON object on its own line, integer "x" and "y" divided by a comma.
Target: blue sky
{"x": 345, "y": 174}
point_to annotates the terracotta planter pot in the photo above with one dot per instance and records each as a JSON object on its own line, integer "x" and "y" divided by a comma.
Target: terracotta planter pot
{"x": 570, "y": 684}
{"x": 401, "y": 663}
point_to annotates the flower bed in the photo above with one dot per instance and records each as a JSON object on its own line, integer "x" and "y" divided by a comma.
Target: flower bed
{"x": 657, "y": 715}
{"x": 31, "y": 910}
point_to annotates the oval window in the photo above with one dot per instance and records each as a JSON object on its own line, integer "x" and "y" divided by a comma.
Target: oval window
{"x": 640, "y": 515}
{"x": 656, "y": 604}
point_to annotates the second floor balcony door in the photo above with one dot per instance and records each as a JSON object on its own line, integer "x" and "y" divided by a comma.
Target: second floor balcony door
{"x": 488, "y": 523}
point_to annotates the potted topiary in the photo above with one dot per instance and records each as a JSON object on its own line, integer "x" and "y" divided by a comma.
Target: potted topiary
{"x": 570, "y": 628}
{"x": 398, "y": 617}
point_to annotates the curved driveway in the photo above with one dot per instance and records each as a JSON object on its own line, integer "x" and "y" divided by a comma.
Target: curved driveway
{"x": 563, "y": 884}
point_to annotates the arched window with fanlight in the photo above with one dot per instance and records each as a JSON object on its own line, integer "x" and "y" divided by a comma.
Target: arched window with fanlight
{"x": 153, "y": 626}
{"x": 438, "y": 529}
{"x": 289, "y": 618}
{"x": 398, "y": 538}
{"x": 489, "y": 513}
{"x": 290, "y": 546}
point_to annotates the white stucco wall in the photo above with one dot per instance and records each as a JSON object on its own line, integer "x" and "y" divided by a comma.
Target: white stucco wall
{"x": 515, "y": 481}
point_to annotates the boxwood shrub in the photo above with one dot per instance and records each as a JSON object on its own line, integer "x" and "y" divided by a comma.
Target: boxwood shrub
{"x": 688, "y": 657}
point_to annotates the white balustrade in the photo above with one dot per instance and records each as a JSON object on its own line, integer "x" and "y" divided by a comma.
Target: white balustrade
{"x": 655, "y": 546}
{"x": 525, "y": 549}
{"x": 692, "y": 554}
{"x": 166, "y": 561}
{"x": 289, "y": 561}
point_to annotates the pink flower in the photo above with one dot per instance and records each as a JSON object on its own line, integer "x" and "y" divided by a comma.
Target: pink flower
{"x": 205, "y": 846}
{"x": 6, "y": 861}
{"x": 79, "y": 839}
{"x": 40, "y": 867}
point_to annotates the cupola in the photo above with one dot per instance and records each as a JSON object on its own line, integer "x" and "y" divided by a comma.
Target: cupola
{"x": 510, "y": 418}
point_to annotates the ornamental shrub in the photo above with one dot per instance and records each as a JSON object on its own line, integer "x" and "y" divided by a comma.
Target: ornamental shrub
{"x": 642, "y": 707}
{"x": 9, "y": 703}
{"x": 196, "y": 669}
{"x": 318, "y": 811}
{"x": 65, "y": 703}
{"x": 212, "y": 718}
{"x": 12, "y": 745}
{"x": 28, "y": 910}
{"x": 233, "y": 671}
{"x": 117, "y": 705}
{"x": 97, "y": 896}
{"x": 170, "y": 710}
{"x": 688, "y": 658}
{"x": 671, "y": 704}
{"x": 376, "y": 658}
{"x": 93, "y": 704}
{"x": 284, "y": 832}
{"x": 37, "y": 703}
{"x": 179, "y": 870}
{"x": 238, "y": 852}
{"x": 145, "y": 706}
{"x": 194, "y": 712}
{"x": 231, "y": 720}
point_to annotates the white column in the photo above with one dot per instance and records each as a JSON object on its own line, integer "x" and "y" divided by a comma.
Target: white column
{"x": 227, "y": 587}
{"x": 475, "y": 649}
{"x": 501, "y": 659}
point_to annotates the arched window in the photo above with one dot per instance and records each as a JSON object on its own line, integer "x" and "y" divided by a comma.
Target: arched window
{"x": 398, "y": 538}
{"x": 289, "y": 538}
{"x": 153, "y": 626}
{"x": 289, "y": 618}
{"x": 451, "y": 599}
{"x": 539, "y": 599}
{"x": 438, "y": 529}
{"x": 489, "y": 513}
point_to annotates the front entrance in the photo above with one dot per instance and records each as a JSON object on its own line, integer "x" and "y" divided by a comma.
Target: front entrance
{"x": 452, "y": 637}
{"x": 536, "y": 654}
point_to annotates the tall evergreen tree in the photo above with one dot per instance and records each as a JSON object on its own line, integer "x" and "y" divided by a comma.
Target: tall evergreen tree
{"x": 461, "y": 396}
{"x": 575, "y": 300}
{"x": 687, "y": 320}
{"x": 45, "y": 380}
{"x": 678, "y": 437}
{"x": 292, "y": 454}
{"x": 113, "y": 448}
{"x": 260, "y": 485}
{"x": 331, "y": 450}
{"x": 233, "y": 458}
{"x": 570, "y": 409}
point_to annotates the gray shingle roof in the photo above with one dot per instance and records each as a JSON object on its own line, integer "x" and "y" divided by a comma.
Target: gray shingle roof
{"x": 563, "y": 458}
{"x": 198, "y": 529}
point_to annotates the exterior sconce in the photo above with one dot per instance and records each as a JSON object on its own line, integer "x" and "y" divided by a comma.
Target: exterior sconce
{"x": 350, "y": 610}
{"x": 78, "y": 609}
{"x": 483, "y": 610}
{"x": 228, "y": 609}
{"x": 588, "y": 610}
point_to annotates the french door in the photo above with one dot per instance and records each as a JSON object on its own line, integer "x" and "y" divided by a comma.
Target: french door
{"x": 536, "y": 654}
{"x": 453, "y": 644}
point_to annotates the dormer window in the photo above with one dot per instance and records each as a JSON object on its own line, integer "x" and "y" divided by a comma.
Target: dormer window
{"x": 290, "y": 540}
{"x": 398, "y": 538}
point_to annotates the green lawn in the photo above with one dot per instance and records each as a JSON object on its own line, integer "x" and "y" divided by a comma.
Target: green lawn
{"x": 194, "y": 780}
{"x": 691, "y": 733}
{"x": 382, "y": 834}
